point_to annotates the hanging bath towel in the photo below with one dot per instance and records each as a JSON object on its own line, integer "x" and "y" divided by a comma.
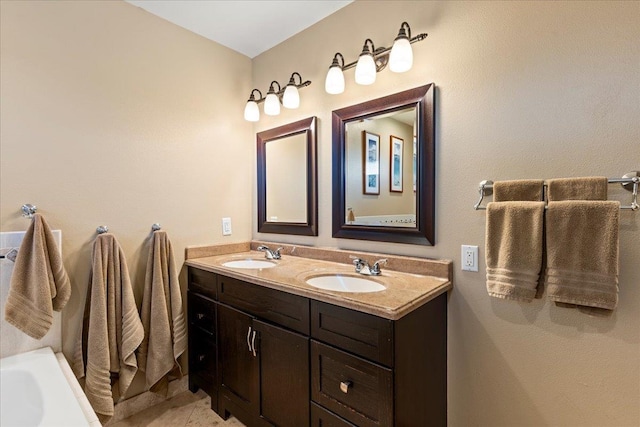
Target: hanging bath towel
{"x": 162, "y": 317}
{"x": 112, "y": 329}
{"x": 39, "y": 283}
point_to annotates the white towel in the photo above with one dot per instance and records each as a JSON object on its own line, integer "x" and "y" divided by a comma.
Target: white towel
{"x": 39, "y": 282}
{"x": 162, "y": 317}
{"x": 112, "y": 329}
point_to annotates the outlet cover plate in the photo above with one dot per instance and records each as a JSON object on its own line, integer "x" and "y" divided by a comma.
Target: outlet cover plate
{"x": 469, "y": 258}
{"x": 226, "y": 226}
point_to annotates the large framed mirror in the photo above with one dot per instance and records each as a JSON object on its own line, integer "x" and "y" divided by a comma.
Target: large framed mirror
{"x": 384, "y": 168}
{"x": 287, "y": 179}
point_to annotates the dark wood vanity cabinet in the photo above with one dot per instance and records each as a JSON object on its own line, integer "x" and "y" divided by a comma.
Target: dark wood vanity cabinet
{"x": 203, "y": 364}
{"x": 285, "y": 360}
{"x": 264, "y": 377}
{"x": 375, "y": 372}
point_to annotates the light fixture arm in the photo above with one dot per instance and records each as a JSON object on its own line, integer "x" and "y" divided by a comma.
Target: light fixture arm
{"x": 252, "y": 98}
{"x": 335, "y": 62}
{"x": 272, "y": 90}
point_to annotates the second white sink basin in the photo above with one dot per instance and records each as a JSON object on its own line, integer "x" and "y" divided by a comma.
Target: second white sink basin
{"x": 336, "y": 282}
{"x": 249, "y": 263}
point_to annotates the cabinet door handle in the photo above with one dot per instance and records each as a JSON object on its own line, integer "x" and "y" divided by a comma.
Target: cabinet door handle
{"x": 200, "y": 316}
{"x": 253, "y": 343}
{"x": 249, "y": 338}
{"x": 345, "y": 386}
{"x": 201, "y": 358}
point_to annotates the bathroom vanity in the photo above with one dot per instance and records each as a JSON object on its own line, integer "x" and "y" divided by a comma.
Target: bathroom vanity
{"x": 272, "y": 350}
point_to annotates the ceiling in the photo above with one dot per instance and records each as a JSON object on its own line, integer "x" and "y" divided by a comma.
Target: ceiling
{"x": 246, "y": 26}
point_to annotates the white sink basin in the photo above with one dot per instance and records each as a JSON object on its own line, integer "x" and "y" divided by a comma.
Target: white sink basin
{"x": 249, "y": 263}
{"x": 336, "y": 282}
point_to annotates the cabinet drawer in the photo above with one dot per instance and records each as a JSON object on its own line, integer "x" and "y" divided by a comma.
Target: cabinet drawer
{"x": 356, "y": 389}
{"x": 202, "y": 313}
{"x": 282, "y": 308}
{"x": 320, "y": 417}
{"x": 360, "y": 333}
{"x": 202, "y": 282}
{"x": 202, "y": 355}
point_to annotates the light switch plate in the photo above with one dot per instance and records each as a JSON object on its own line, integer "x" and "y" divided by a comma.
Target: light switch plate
{"x": 469, "y": 258}
{"x": 226, "y": 226}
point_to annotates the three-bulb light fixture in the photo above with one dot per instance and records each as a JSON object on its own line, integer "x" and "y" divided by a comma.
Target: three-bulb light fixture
{"x": 289, "y": 95}
{"x": 372, "y": 60}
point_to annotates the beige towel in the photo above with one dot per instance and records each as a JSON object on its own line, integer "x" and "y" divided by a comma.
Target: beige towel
{"x": 587, "y": 188}
{"x": 582, "y": 253}
{"x": 513, "y": 251}
{"x": 519, "y": 190}
{"x": 112, "y": 330}
{"x": 39, "y": 282}
{"x": 162, "y": 317}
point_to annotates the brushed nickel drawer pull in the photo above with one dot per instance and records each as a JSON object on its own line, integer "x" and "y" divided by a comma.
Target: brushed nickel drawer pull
{"x": 200, "y": 316}
{"x": 201, "y": 357}
{"x": 249, "y": 339}
{"x": 253, "y": 343}
{"x": 345, "y": 386}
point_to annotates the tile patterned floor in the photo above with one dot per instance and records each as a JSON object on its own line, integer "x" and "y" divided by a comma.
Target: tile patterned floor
{"x": 185, "y": 409}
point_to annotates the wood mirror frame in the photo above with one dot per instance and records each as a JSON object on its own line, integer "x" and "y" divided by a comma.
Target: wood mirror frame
{"x": 423, "y": 99}
{"x": 310, "y": 227}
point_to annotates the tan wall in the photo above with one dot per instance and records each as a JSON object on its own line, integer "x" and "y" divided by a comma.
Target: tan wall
{"x": 113, "y": 116}
{"x": 524, "y": 90}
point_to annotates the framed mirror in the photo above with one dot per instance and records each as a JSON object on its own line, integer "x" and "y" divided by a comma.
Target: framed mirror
{"x": 384, "y": 168}
{"x": 287, "y": 179}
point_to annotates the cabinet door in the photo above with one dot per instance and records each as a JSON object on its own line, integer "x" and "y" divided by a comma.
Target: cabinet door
{"x": 239, "y": 369}
{"x": 284, "y": 375}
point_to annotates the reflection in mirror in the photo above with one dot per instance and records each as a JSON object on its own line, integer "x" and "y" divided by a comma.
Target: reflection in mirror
{"x": 287, "y": 182}
{"x": 384, "y": 168}
{"x": 391, "y": 135}
{"x": 285, "y": 160}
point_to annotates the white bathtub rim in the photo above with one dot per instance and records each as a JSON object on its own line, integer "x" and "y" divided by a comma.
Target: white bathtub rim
{"x": 63, "y": 404}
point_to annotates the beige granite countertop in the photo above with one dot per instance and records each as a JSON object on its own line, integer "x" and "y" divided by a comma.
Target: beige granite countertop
{"x": 404, "y": 291}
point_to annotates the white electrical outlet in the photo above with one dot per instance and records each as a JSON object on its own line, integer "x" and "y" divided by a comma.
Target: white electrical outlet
{"x": 226, "y": 226}
{"x": 469, "y": 258}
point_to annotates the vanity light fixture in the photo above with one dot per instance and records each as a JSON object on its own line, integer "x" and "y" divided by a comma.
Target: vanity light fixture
{"x": 334, "y": 83}
{"x": 272, "y": 102}
{"x": 366, "y": 66}
{"x": 289, "y": 96}
{"x": 251, "y": 110}
{"x": 372, "y": 60}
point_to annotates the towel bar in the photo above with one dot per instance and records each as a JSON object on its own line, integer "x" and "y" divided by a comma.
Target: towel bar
{"x": 629, "y": 182}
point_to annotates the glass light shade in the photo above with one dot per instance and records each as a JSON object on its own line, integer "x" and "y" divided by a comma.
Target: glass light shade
{"x": 291, "y": 97}
{"x": 272, "y": 105}
{"x": 401, "y": 57}
{"x": 251, "y": 112}
{"x": 365, "y": 70}
{"x": 334, "y": 83}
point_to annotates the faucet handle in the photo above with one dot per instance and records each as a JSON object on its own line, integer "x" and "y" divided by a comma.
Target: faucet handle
{"x": 277, "y": 254}
{"x": 375, "y": 268}
{"x": 359, "y": 263}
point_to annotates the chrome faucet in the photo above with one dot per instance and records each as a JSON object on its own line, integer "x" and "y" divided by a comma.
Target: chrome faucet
{"x": 363, "y": 267}
{"x": 270, "y": 254}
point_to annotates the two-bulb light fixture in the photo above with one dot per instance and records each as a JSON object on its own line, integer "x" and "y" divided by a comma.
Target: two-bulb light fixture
{"x": 289, "y": 95}
{"x": 399, "y": 57}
